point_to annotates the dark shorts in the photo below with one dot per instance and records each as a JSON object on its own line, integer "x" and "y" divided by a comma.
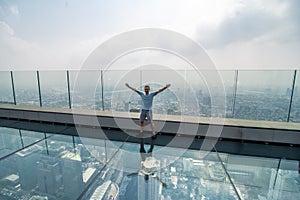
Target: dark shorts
{"x": 146, "y": 114}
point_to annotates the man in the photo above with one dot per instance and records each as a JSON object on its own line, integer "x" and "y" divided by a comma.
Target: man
{"x": 147, "y": 100}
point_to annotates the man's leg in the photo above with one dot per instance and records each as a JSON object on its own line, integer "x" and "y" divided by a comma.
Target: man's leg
{"x": 151, "y": 147}
{"x": 142, "y": 150}
{"x": 142, "y": 119}
{"x": 153, "y": 128}
{"x": 142, "y": 147}
{"x": 150, "y": 118}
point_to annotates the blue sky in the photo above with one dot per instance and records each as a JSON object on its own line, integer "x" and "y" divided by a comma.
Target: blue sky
{"x": 57, "y": 34}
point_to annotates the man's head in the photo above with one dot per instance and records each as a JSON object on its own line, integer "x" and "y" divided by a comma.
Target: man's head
{"x": 147, "y": 89}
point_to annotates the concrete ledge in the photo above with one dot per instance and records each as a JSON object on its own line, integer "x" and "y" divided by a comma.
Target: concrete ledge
{"x": 264, "y": 135}
{"x": 189, "y": 126}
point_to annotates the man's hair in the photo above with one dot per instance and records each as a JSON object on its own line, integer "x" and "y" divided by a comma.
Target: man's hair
{"x": 147, "y": 86}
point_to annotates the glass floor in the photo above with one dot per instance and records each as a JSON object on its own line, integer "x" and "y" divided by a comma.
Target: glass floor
{"x": 39, "y": 165}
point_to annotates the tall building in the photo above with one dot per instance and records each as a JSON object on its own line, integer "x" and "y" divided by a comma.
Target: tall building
{"x": 149, "y": 189}
{"x": 49, "y": 174}
{"x": 72, "y": 175}
{"x": 8, "y": 166}
{"x": 100, "y": 191}
{"x": 27, "y": 165}
{"x": 187, "y": 164}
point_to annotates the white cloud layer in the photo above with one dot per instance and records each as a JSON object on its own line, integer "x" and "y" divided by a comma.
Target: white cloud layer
{"x": 14, "y": 10}
{"x": 237, "y": 34}
{"x": 256, "y": 37}
{"x": 19, "y": 54}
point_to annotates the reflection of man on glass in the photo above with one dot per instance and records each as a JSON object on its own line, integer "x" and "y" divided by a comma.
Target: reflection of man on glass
{"x": 147, "y": 100}
{"x": 148, "y": 164}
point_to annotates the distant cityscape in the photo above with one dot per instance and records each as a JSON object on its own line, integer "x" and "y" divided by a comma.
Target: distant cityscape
{"x": 251, "y": 104}
{"x": 61, "y": 169}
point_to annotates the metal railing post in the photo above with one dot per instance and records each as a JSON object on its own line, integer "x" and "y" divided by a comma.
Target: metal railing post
{"x": 102, "y": 91}
{"x": 69, "y": 92}
{"x": 39, "y": 87}
{"x": 292, "y": 95}
{"x": 13, "y": 87}
{"x": 234, "y": 92}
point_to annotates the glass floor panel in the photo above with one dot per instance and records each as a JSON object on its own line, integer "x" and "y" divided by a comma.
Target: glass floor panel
{"x": 38, "y": 165}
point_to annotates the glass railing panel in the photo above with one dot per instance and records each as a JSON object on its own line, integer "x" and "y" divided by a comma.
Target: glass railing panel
{"x": 295, "y": 107}
{"x": 10, "y": 141}
{"x": 210, "y": 98}
{"x": 26, "y": 87}
{"x": 228, "y": 78}
{"x": 254, "y": 177}
{"x": 54, "y": 89}
{"x": 223, "y": 91}
{"x": 197, "y": 94}
{"x": 263, "y": 95}
{"x": 85, "y": 89}
{"x": 116, "y": 95}
{"x": 287, "y": 185}
{"x": 6, "y": 92}
{"x": 171, "y": 101}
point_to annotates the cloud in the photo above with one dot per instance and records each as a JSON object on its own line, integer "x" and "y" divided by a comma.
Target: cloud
{"x": 235, "y": 32}
{"x": 14, "y": 10}
{"x": 19, "y": 54}
{"x": 265, "y": 35}
{"x": 293, "y": 18}
{"x": 245, "y": 25}
{"x": 83, "y": 48}
{"x": 6, "y": 29}
{"x": 14, "y": 50}
{"x": 271, "y": 22}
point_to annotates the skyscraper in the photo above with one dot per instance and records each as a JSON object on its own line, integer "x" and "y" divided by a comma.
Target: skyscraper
{"x": 49, "y": 174}
{"x": 27, "y": 165}
{"x": 149, "y": 189}
{"x": 72, "y": 175}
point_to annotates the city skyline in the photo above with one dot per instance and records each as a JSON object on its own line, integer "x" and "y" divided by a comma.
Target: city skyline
{"x": 268, "y": 99}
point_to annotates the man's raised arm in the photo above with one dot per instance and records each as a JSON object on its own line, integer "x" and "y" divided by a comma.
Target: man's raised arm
{"x": 134, "y": 89}
{"x": 162, "y": 89}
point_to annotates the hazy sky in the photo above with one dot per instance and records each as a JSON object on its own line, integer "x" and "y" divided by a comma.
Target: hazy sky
{"x": 57, "y": 34}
